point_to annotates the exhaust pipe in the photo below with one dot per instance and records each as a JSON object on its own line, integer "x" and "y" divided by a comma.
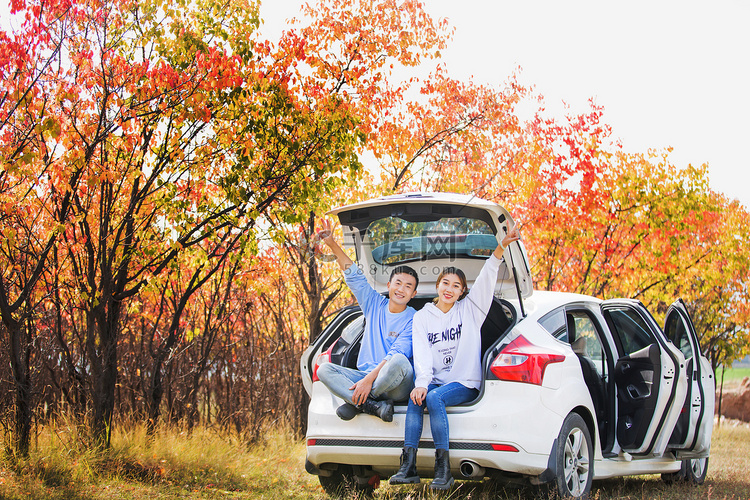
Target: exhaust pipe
{"x": 471, "y": 469}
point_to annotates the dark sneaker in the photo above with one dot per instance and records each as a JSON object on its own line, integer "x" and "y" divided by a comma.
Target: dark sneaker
{"x": 381, "y": 409}
{"x": 347, "y": 411}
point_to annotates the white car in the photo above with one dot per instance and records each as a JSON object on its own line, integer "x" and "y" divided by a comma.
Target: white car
{"x": 575, "y": 388}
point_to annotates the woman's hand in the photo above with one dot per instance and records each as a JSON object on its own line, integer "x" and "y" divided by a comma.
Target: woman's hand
{"x": 417, "y": 395}
{"x": 513, "y": 235}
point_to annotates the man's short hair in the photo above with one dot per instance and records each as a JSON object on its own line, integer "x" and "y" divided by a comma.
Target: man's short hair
{"x": 405, "y": 270}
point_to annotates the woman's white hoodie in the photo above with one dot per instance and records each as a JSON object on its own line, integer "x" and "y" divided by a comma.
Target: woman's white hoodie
{"x": 447, "y": 346}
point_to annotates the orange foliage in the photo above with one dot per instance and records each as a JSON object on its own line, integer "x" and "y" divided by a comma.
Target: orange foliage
{"x": 158, "y": 163}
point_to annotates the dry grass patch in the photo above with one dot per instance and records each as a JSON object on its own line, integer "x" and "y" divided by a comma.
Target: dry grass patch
{"x": 205, "y": 465}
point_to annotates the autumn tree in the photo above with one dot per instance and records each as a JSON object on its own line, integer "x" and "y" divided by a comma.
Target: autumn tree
{"x": 180, "y": 139}
{"x": 455, "y": 134}
{"x": 718, "y": 290}
{"x": 164, "y": 169}
{"x": 614, "y": 224}
{"x": 34, "y": 199}
{"x": 348, "y": 50}
{"x": 601, "y": 221}
{"x": 172, "y": 294}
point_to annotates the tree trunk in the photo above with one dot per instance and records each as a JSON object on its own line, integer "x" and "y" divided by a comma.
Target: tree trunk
{"x": 153, "y": 400}
{"x": 104, "y": 361}
{"x": 721, "y": 391}
{"x": 156, "y": 391}
{"x": 20, "y": 355}
{"x": 103, "y": 397}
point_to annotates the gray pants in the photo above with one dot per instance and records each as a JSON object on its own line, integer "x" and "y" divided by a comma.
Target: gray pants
{"x": 394, "y": 381}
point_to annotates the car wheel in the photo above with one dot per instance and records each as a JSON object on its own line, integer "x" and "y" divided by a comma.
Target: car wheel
{"x": 574, "y": 458}
{"x": 693, "y": 470}
{"x": 342, "y": 483}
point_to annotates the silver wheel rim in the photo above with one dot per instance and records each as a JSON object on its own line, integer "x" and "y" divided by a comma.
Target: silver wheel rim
{"x": 576, "y": 462}
{"x": 698, "y": 465}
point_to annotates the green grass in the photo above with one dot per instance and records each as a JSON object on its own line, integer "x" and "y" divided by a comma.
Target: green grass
{"x": 732, "y": 375}
{"x": 205, "y": 465}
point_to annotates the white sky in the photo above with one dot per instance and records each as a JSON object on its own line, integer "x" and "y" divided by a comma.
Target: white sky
{"x": 667, "y": 73}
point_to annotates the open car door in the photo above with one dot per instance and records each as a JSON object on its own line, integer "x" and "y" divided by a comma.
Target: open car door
{"x": 692, "y": 434}
{"x": 649, "y": 379}
{"x": 334, "y": 342}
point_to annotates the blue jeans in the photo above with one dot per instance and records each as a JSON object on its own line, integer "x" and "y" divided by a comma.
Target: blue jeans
{"x": 438, "y": 397}
{"x": 394, "y": 381}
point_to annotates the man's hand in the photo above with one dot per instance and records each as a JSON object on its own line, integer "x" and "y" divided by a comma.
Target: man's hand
{"x": 325, "y": 232}
{"x": 418, "y": 394}
{"x": 361, "y": 390}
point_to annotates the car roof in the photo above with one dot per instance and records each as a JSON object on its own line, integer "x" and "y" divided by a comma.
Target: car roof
{"x": 417, "y": 197}
{"x": 543, "y": 301}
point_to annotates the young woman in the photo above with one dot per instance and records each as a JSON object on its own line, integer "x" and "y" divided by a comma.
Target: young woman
{"x": 447, "y": 365}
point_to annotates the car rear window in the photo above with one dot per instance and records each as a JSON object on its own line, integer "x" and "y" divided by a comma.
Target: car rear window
{"x": 395, "y": 240}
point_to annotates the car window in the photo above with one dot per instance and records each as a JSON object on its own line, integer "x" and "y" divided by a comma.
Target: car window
{"x": 678, "y": 334}
{"x": 554, "y": 323}
{"x": 630, "y": 329}
{"x": 584, "y": 338}
{"x": 395, "y": 240}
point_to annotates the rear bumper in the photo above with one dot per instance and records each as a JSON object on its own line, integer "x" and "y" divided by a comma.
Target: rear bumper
{"x": 514, "y": 438}
{"x": 385, "y": 460}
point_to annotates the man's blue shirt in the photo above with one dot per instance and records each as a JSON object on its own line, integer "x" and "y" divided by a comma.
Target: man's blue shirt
{"x": 386, "y": 333}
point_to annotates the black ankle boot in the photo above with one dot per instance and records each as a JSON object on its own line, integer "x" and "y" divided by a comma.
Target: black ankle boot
{"x": 381, "y": 409}
{"x": 443, "y": 479}
{"x": 407, "y": 474}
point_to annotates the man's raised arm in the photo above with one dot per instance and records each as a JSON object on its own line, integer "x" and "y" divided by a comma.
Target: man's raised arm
{"x": 326, "y": 234}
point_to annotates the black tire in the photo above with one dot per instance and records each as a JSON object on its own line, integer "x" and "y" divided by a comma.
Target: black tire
{"x": 672, "y": 477}
{"x": 342, "y": 483}
{"x": 574, "y": 459}
{"x": 692, "y": 470}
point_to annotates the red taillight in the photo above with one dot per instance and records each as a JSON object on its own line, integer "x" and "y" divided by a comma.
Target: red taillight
{"x": 311, "y": 442}
{"x": 324, "y": 357}
{"x": 504, "y": 447}
{"x": 522, "y": 361}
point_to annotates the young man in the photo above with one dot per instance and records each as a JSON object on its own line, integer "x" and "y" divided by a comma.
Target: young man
{"x": 385, "y": 373}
